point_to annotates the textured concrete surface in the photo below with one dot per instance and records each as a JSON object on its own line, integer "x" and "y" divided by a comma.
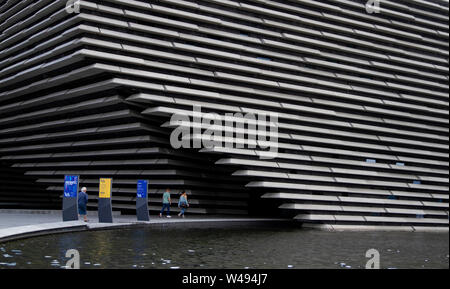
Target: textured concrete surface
{"x": 362, "y": 228}
{"x": 362, "y": 105}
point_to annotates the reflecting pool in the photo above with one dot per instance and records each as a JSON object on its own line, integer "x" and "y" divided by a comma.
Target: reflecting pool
{"x": 228, "y": 246}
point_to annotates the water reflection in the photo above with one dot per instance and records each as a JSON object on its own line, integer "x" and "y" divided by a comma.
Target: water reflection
{"x": 234, "y": 247}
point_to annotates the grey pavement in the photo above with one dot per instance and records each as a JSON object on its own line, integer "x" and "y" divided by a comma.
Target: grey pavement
{"x": 15, "y": 218}
{"x": 15, "y": 224}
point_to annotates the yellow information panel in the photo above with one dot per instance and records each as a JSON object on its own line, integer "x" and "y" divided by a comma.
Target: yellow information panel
{"x": 105, "y": 188}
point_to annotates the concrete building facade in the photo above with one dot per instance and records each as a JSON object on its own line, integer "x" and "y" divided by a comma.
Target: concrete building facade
{"x": 361, "y": 98}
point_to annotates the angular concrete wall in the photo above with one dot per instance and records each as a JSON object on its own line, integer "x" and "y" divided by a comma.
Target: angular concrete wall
{"x": 362, "y": 101}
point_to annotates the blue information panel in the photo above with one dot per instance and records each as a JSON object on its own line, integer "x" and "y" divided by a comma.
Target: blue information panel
{"x": 70, "y": 199}
{"x": 71, "y": 186}
{"x": 142, "y": 201}
{"x": 142, "y": 189}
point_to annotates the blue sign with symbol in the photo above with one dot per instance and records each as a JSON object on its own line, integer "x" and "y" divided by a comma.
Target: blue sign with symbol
{"x": 142, "y": 189}
{"x": 70, "y": 186}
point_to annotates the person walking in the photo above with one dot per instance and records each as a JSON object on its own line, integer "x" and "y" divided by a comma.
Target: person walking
{"x": 82, "y": 203}
{"x": 183, "y": 204}
{"x": 167, "y": 201}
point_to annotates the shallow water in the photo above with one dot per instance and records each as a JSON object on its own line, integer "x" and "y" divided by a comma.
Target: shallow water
{"x": 232, "y": 247}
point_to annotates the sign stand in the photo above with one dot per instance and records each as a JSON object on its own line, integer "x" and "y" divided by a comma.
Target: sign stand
{"x": 70, "y": 198}
{"x": 142, "y": 201}
{"x": 104, "y": 201}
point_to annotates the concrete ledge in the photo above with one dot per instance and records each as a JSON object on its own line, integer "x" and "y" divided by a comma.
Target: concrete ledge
{"x": 362, "y": 228}
{"x": 432, "y": 229}
{"x": 14, "y": 233}
{"x": 22, "y": 232}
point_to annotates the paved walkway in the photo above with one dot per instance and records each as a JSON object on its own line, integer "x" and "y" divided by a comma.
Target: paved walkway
{"x": 15, "y": 218}
{"x": 16, "y": 224}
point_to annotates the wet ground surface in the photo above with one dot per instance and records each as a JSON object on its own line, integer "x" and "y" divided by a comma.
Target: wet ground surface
{"x": 230, "y": 247}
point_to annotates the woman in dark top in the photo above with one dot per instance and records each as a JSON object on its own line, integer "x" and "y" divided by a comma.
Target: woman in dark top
{"x": 82, "y": 204}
